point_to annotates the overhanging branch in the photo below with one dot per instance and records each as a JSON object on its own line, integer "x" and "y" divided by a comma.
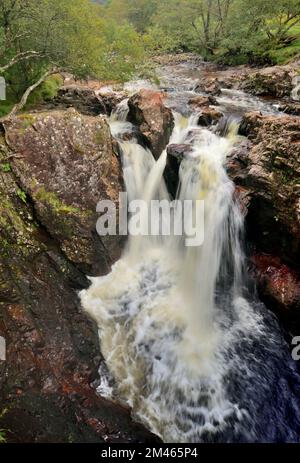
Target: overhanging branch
{"x": 20, "y": 57}
{"x": 25, "y": 96}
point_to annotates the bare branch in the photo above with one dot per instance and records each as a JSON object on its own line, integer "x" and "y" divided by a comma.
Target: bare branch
{"x": 20, "y": 57}
{"x": 25, "y": 96}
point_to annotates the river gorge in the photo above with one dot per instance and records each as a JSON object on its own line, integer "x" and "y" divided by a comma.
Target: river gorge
{"x": 195, "y": 342}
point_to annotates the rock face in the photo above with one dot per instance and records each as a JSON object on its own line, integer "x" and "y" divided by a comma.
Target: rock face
{"x": 154, "y": 120}
{"x": 65, "y": 163}
{"x": 270, "y": 168}
{"x": 275, "y": 81}
{"x": 292, "y": 108}
{"x": 279, "y": 287}
{"x": 53, "y": 172}
{"x": 267, "y": 169}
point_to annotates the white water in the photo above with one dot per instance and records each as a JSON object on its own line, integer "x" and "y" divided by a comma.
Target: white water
{"x": 194, "y": 356}
{"x": 295, "y": 95}
{"x": 157, "y": 311}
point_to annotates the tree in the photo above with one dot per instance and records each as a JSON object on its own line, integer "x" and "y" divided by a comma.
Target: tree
{"x": 45, "y": 37}
{"x": 139, "y": 13}
{"x": 197, "y": 25}
{"x": 264, "y": 25}
{"x": 220, "y": 28}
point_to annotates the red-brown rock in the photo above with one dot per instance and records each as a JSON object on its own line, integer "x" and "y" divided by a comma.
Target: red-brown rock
{"x": 148, "y": 112}
{"x": 279, "y": 287}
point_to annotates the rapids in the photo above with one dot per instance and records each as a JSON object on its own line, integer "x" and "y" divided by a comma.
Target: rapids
{"x": 187, "y": 344}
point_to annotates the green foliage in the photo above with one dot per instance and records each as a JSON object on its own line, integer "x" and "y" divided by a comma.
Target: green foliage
{"x": 139, "y": 13}
{"x": 6, "y": 167}
{"x": 123, "y": 54}
{"x": 74, "y": 35}
{"x": 5, "y": 107}
{"x": 113, "y": 40}
{"x": 47, "y": 91}
{"x": 22, "y": 195}
{"x": 229, "y": 31}
{"x": 3, "y": 432}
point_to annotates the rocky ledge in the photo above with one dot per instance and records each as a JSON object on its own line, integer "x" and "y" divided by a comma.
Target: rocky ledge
{"x": 54, "y": 168}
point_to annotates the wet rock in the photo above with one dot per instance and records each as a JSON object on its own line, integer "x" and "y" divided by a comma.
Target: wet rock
{"x": 209, "y": 116}
{"x": 288, "y": 107}
{"x": 176, "y": 153}
{"x": 110, "y": 100}
{"x": 200, "y": 101}
{"x": 279, "y": 287}
{"x": 148, "y": 112}
{"x": 275, "y": 81}
{"x": 65, "y": 164}
{"x": 209, "y": 85}
{"x": 179, "y": 151}
{"x": 269, "y": 166}
{"x": 237, "y": 163}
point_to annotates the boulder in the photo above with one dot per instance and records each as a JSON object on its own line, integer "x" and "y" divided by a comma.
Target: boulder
{"x": 209, "y": 85}
{"x": 209, "y": 116}
{"x": 110, "y": 100}
{"x": 65, "y": 164}
{"x": 179, "y": 151}
{"x": 154, "y": 120}
{"x": 275, "y": 81}
{"x": 200, "y": 101}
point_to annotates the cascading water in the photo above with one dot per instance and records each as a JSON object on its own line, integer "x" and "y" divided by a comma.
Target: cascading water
{"x": 186, "y": 345}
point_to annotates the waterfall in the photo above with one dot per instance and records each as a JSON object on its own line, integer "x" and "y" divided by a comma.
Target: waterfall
{"x": 186, "y": 346}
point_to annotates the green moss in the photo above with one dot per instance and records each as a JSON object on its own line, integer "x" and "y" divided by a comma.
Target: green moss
{"x": 27, "y": 120}
{"x": 55, "y": 203}
{"x": 46, "y": 92}
{"x": 22, "y": 195}
{"x": 100, "y": 137}
{"x": 16, "y": 228}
